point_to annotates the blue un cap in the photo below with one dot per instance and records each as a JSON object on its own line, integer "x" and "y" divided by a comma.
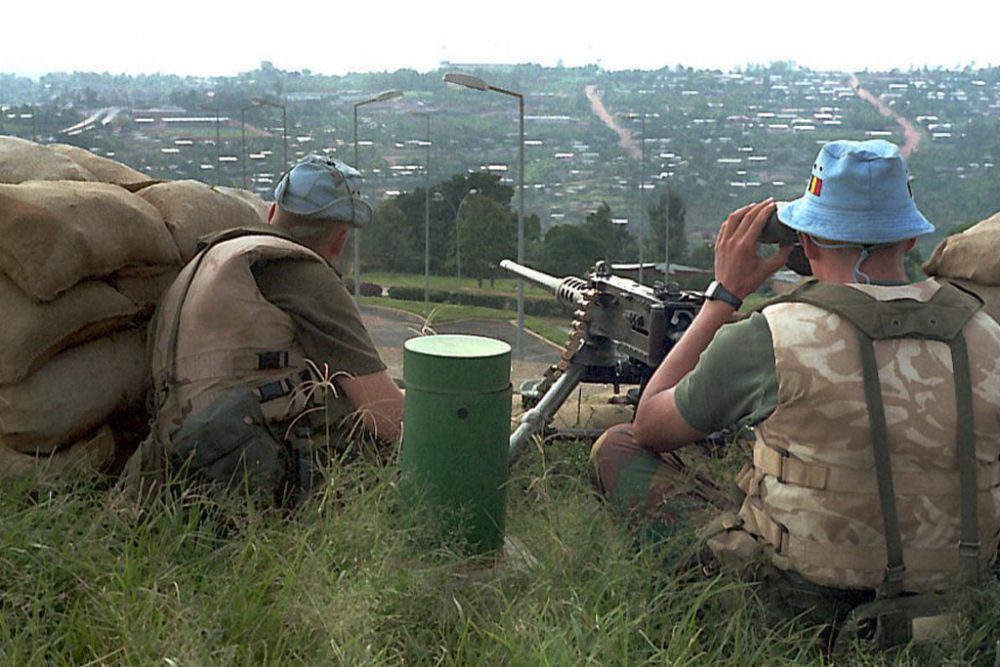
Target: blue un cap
{"x": 319, "y": 188}
{"x": 859, "y": 192}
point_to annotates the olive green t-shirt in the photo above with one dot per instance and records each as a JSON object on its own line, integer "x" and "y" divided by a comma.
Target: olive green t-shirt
{"x": 326, "y": 318}
{"x": 735, "y": 381}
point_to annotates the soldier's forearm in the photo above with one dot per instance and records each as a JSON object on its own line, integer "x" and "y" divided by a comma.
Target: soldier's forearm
{"x": 685, "y": 354}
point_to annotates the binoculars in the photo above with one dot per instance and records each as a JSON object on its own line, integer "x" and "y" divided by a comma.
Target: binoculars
{"x": 777, "y": 232}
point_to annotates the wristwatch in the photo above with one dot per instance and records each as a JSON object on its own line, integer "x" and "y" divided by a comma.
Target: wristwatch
{"x": 716, "y": 292}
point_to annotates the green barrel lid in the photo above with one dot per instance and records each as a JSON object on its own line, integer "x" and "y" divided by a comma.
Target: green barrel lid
{"x": 450, "y": 363}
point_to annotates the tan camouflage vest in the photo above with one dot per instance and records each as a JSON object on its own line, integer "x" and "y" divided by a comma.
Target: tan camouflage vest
{"x": 812, "y": 492}
{"x": 226, "y": 334}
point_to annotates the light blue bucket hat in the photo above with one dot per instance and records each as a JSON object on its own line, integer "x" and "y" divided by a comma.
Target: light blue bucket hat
{"x": 859, "y": 192}
{"x": 319, "y": 188}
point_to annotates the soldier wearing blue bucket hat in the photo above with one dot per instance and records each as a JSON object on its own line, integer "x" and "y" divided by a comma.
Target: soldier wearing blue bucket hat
{"x": 858, "y": 192}
{"x": 259, "y": 343}
{"x": 864, "y": 391}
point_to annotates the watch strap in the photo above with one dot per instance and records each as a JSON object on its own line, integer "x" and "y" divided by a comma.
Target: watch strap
{"x": 717, "y": 292}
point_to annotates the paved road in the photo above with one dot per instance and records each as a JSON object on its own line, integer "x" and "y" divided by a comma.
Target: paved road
{"x": 391, "y": 328}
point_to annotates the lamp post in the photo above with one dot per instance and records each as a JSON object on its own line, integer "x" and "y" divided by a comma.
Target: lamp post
{"x": 262, "y": 102}
{"x": 469, "y": 81}
{"x": 458, "y": 214}
{"x": 243, "y": 142}
{"x": 381, "y": 97}
{"x": 642, "y": 188}
{"x": 427, "y": 211}
{"x": 458, "y": 244}
{"x": 218, "y": 136}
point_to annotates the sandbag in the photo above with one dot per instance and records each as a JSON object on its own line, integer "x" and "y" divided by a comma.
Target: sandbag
{"x": 55, "y": 234}
{"x": 22, "y": 160}
{"x": 105, "y": 169}
{"x": 144, "y": 285}
{"x": 91, "y": 454}
{"x": 32, "y": 333}
{"x": 74, "y": 393}
{"x": 249, "y": 197}
{"x": 971, "y": 255}
{"x": 192, "y": 209}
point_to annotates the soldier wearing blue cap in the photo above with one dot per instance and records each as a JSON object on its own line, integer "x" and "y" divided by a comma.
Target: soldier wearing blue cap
{"x": 875, "y": 471}
{"x": 259, "y": 338}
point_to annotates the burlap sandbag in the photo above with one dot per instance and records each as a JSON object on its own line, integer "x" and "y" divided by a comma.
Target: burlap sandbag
{"x": 22, "y": 160}
{"x": 33, "y": 332}
{"x": 971, "y": 255}
{"x": 55, "y": 234}
{"x": 144, "y": 284}
{"x": 105, "y": 169}
{"x": 91, "y": 454}
{"x": 251, "y": 198}
{"x": 74, "y": 393}
{"x": 192, "y": 209}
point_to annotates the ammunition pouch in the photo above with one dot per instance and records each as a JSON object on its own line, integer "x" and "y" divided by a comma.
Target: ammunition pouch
{"x": 229, "y": 444}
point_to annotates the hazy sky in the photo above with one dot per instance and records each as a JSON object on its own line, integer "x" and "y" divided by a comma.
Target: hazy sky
{"x": 334, "y": 37}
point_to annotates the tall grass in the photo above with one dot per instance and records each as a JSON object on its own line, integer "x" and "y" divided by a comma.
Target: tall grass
{"x": 349, "y": 579}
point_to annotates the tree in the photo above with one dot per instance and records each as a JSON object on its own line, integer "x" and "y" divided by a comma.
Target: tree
{"x": 611, "y": 238}
{"x": 486, "y": 236}
{"x": 570, "y": 249}
{"x": 678, "y": 234}
{"x": 388, "y": 243}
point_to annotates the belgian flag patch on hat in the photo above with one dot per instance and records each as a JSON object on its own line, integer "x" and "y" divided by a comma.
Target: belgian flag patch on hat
{"x": 815, "y": 185}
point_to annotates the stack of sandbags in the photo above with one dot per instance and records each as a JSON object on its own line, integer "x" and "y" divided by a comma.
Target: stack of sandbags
{"x": 103, "y": 169}
{"x": 22, "y": 160}
{"x": 83, "y": 263}
{"x": 72, "y": 348}
{"x": 191, "y": 209}
{"x": 971, "y": 259}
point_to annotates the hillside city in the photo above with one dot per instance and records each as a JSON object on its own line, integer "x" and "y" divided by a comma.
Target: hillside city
{"x": 716, "y": 139}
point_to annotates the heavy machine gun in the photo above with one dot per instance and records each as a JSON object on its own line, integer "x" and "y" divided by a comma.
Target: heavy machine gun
{"x": 621, "y": 332}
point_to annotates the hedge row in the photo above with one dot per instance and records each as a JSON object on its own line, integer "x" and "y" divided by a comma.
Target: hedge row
{"x": 532, "y": 305}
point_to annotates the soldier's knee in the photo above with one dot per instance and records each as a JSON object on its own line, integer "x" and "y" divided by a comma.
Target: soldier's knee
{"x": 607, "y": 454}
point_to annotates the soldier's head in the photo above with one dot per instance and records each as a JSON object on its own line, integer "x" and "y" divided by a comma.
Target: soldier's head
{"x": 318, "y": 201}
{"x": 858, "y": 205}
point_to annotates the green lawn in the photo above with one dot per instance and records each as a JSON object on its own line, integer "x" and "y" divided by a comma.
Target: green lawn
{"x": 349, "y": 579}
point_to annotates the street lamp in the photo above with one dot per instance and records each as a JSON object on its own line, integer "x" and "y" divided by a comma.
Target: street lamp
{"x": 381, "y": 97}
{"x": 469, "y": 81}
{"x": 243, "y": 142}
{"x": 427, "y": 211}
{"x": 262, "y": 102}
{"x": 218, "y": 135}
{"x": 642, "y": 188}
{"x": 458, "y": 213}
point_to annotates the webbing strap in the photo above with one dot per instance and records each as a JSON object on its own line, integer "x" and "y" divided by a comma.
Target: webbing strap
{"x": 968, "y": 547}
{"x": 789, "y": 470}
{"x": 895, "y": 570}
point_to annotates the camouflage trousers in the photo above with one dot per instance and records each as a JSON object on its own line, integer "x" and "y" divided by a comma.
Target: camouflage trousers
{"x": 671, "y": 498}
{"x": 664, "y": 491}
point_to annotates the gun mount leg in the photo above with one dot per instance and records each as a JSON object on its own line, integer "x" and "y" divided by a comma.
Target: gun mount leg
{"x": 536, "y": 418}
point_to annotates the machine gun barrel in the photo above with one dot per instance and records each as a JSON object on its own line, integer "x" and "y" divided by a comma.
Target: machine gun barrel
{"x": 568, "y": 290}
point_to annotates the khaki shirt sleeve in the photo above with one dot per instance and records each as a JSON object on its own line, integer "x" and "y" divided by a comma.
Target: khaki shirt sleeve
{"x": 327, "y": 319}
{"x": 735, "y": 381}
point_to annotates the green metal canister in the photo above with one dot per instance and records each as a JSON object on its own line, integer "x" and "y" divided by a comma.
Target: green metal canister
{"x": 455, "y": 436}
